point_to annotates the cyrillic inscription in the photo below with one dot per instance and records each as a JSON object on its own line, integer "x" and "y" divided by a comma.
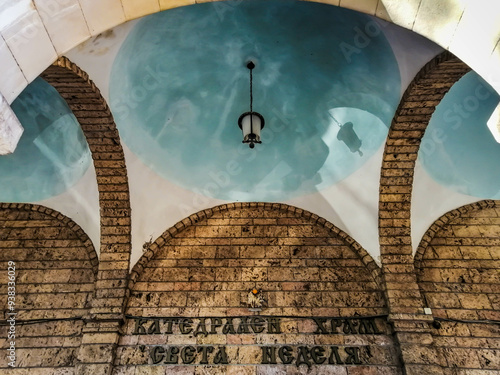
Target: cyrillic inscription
{"x": 207, "y": 326}
{"x": 172, "y": 355}
{"x": 298, "y": 355}
{"x": 347, "y": 326}
{"x": 316, "y": 355}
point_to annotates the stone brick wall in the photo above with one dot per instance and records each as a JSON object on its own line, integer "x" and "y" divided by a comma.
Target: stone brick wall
{"x": 199, "y": 274}
{"x": 99, "y": 128}
{"x": 401, "y": 150}
{"x": 92, "y": 112}
{"x": 303, "y": 266}
{"x": 55, "y": 266}
{"x": 458, "y": 268}
{"x": 396, "y": 182}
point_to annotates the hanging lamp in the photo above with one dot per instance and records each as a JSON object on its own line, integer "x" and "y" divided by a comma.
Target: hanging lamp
{"x": 251, "y": 123}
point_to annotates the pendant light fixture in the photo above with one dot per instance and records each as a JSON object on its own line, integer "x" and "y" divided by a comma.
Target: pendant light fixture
{"x": 251, "y": 123}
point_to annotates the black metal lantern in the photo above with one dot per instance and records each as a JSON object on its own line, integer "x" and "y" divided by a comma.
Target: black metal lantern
{"x": 251, "y": 123}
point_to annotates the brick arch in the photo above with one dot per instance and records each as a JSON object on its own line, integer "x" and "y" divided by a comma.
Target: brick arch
{"x": 55, "y": 267}
{"x": 205, "y": 266}
{"x": 401, "y": 150}
{"x": 64, "y": 220}
{"x": 457, "y": 266}
{"x": 99, "y": 128}
{"x": 170, "y": 233}
{"x": 444, "y": 220}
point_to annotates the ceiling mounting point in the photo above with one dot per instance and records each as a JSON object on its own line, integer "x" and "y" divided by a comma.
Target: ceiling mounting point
{"x": 250, "y": 64}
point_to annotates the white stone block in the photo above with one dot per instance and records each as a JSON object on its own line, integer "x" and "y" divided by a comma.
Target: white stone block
{"x": 12, "y": 80}
{"x": 490, "y": 70}
{"x": 30, "y": 44}
{"x": 438, "y": 20}
{"x": 381, "y": 12}
{"x": 65, "y": 23}
{"x": 363, "y": 6}
{"x": 169, "y": 4}
{"x": 477, "y": 35}
{"x": 494, "y": 124}
{"x": 139, "y": 8}
{"x": 102, "y": 15}
{"x": 11, "y": 11}
{"x": 10, "y": 128}
{"x": 401, "y": 13}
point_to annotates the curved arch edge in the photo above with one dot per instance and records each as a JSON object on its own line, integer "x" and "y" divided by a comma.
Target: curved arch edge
{"x": 445, "y": 219}
{"x": 170, "y": 233}
{"x": 68, "y": 222}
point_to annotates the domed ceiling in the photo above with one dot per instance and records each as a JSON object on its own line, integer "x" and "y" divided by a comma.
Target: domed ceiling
{"x": 327, "y": 81}
{"x": 52, "y": 154}
{"x": 458, "y": 150}
{"x": 324, "y": 81}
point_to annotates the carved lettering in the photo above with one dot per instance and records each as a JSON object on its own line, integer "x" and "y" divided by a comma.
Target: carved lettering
{"x": 349, "y": 327}
{"x": 335, "y": 323}
{"x": 204, "y": 350}
{"x": 368, "y": 326}
{"x": 157, "y": 354}
{"x": 303, "y": 356}
{"x": 318, "y": 355}
{"x": 271, "y": 355}
{"x": 185, "y": 326}
{"x": 154, "y": 328}
{"x": 273, "y": 325}
{"x": 169, "y": 322}
{"x": 249, "y": 325}
{"x": 268, "y": 355}
{"x": 221, "y": 356}
{"x": 353, "y": 356}
{"x": 243, "y": 326}
{"x": 334, "y": 356}
{"x": 320, "y": 328}
{"x": 201, "y": 328}
{"x": 285, "y": 354}
{"x": 188, "y": 354}
{"x": 171, "y": 357}
{"x": 215, "y": 323}
{"x": 228, "y": 327}
{"x": 139, "y": 328}
{"x": 257, "y": 324}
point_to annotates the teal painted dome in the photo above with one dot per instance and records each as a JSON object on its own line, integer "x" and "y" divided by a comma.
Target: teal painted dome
{"x": 52, "y": 154}
{"x": 179, "y": 84}
{"x": 458, "y": 150}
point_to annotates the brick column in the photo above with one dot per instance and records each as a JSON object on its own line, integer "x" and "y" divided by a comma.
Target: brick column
{"x": 405, "y": 302}
{"x": 101, "y": 334}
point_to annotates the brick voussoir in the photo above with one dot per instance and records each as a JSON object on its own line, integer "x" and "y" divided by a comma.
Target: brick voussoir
{"x": 407, "y": 129}
{"x": 93, "y": 113}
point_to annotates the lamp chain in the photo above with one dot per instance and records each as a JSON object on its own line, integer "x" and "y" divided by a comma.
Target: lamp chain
{"x": 251, "y": 66}
{"x": 251, "y": 93}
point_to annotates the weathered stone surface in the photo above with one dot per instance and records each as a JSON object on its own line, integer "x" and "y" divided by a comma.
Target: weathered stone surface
{"x": 458, "y": 287}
